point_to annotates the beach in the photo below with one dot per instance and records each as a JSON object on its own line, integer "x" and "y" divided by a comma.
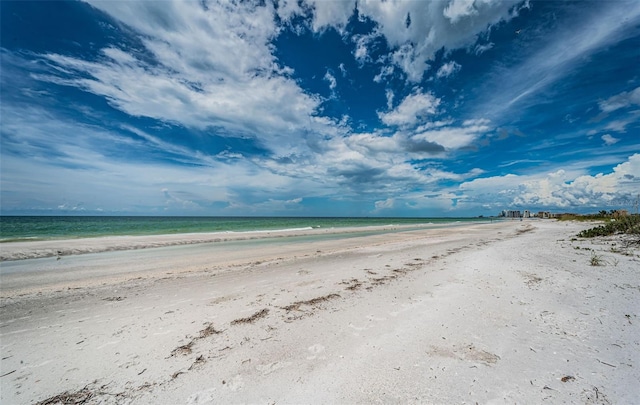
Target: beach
{"x": 503, "y": 312}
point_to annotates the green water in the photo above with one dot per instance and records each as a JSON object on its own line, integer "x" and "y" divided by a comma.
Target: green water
{"x": 18, "y": 228}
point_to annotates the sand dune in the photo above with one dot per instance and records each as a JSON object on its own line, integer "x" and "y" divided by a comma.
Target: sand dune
{"x": 492, "y": 313}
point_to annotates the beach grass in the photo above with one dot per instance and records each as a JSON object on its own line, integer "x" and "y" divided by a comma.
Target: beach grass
{"x": 629, "y": 225}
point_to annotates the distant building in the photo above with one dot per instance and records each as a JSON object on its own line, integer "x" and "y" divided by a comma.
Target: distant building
{"x": 510, "y": 214}
{"x": 544, "y": 214}
{"x": 526, "y": 214}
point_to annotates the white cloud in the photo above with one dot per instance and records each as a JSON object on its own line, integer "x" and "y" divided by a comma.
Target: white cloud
{"x": 435, "y": 124}
{"x": 361, "y": 53}
{"x": 191, "y": 38}
{"x": 480, "y": 49}
{"x": 176, "y": 201}
{"x": 384, "y": 204}
{"x": 372, "y": 164}
{"x": 71, "y": 207}
{"x": 476, "y": 122}
{"x": 288, "y": 8}
{"x": 214, "y": 68}
{"x": 70, "y": 163}
{"x": 452, "y": 137}
{"x": 410, "y": 61}
{"x": 558, "y": 189}
{"x": 390, "y": 96}
{"x": 410, "y": 141}
{"x": 385, "y": 71}
{"x": 331, "y": 79}
{"x": 448, "y": 69}
{"x": 434, "y": 25}
{"x": 609, "y": 140}
{"x": 333, "y": 14}
{"x": 622, "y": 100}
{"x": 620, "y": 125}
{"x": 459, "y": 9}
{"x": 412, "y": 110}
{"x": 343, "y": 70}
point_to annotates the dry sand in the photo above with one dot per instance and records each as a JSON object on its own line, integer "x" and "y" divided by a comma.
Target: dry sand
{"x": 509, "y": 312}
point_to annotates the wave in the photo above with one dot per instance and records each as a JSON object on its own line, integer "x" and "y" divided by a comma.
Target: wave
{"x": 306, "y": 228}
{"x": 34, "y": 249}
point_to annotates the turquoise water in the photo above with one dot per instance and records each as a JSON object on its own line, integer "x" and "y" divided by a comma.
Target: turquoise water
{"x": 16, "y": 228}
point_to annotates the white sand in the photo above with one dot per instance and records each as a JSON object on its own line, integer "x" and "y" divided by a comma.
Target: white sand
{"x": 493, "y": 313}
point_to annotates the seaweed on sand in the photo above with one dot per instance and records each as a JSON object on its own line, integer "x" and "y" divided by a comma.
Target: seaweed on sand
{"x": 69, "y": 398}
{"x": 251, "y": 319}
{"x": 312, "y": 302}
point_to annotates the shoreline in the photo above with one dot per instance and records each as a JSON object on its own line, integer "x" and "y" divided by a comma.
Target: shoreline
{"x": 503, "y": 312}
{"x": 105, "y": 263}
{"x": 51, "y": 228}
{"x": 32, "y": 249}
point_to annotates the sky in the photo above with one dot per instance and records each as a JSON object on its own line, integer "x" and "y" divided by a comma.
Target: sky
{"x": 319, "y": 108}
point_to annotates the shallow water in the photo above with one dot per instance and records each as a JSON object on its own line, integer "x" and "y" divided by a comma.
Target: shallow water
{"x": 21, "y": 228}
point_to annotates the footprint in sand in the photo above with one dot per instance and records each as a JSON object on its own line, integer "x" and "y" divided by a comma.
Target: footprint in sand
{"x": 271, "y": 367}
{"x": 468, "y": 353}
{"x": 370, "y": 318}
{"x": 482, "y": 356}
{"x": 205, "y": 397}
{"x": 316, "y": 350}
{"x": 236, "y": 383}
{"x": 358, "y": 328}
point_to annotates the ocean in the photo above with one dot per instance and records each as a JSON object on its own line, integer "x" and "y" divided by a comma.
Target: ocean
{"x": 23, "y": 228}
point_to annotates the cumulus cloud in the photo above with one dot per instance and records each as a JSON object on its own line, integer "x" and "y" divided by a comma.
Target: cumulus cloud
{"x": 407, "y": 58}
{"x": 622, "y": 100}
{"x": 177, "y": 200}
{"x": 333, "y": 14}
{"x": 433, "y": 25}
{"x": 459, "y": 9}
{"x": 448, "y": 69}
{"x": 417, "y": 133}
{"x": 384, "y": 204}
{"x": 385, "y": 71}
{"x": 390, "y": 96}
{"x": 456, "y": 137}
{"x": 558, "y": 189}
{"x": 400, "y": 143}
{"x": 414, "y": 30}
{"x": 343, "y": 70}
{"x": 620, "y": 125}
{"x": 362, "y": 42}
{"x": 331, "y": 79}
{"x": 413, "y": 108}
{"x": 609, "y": 140}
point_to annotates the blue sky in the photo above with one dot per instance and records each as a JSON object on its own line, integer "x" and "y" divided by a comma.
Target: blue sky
{"x": 304, "y": 108}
